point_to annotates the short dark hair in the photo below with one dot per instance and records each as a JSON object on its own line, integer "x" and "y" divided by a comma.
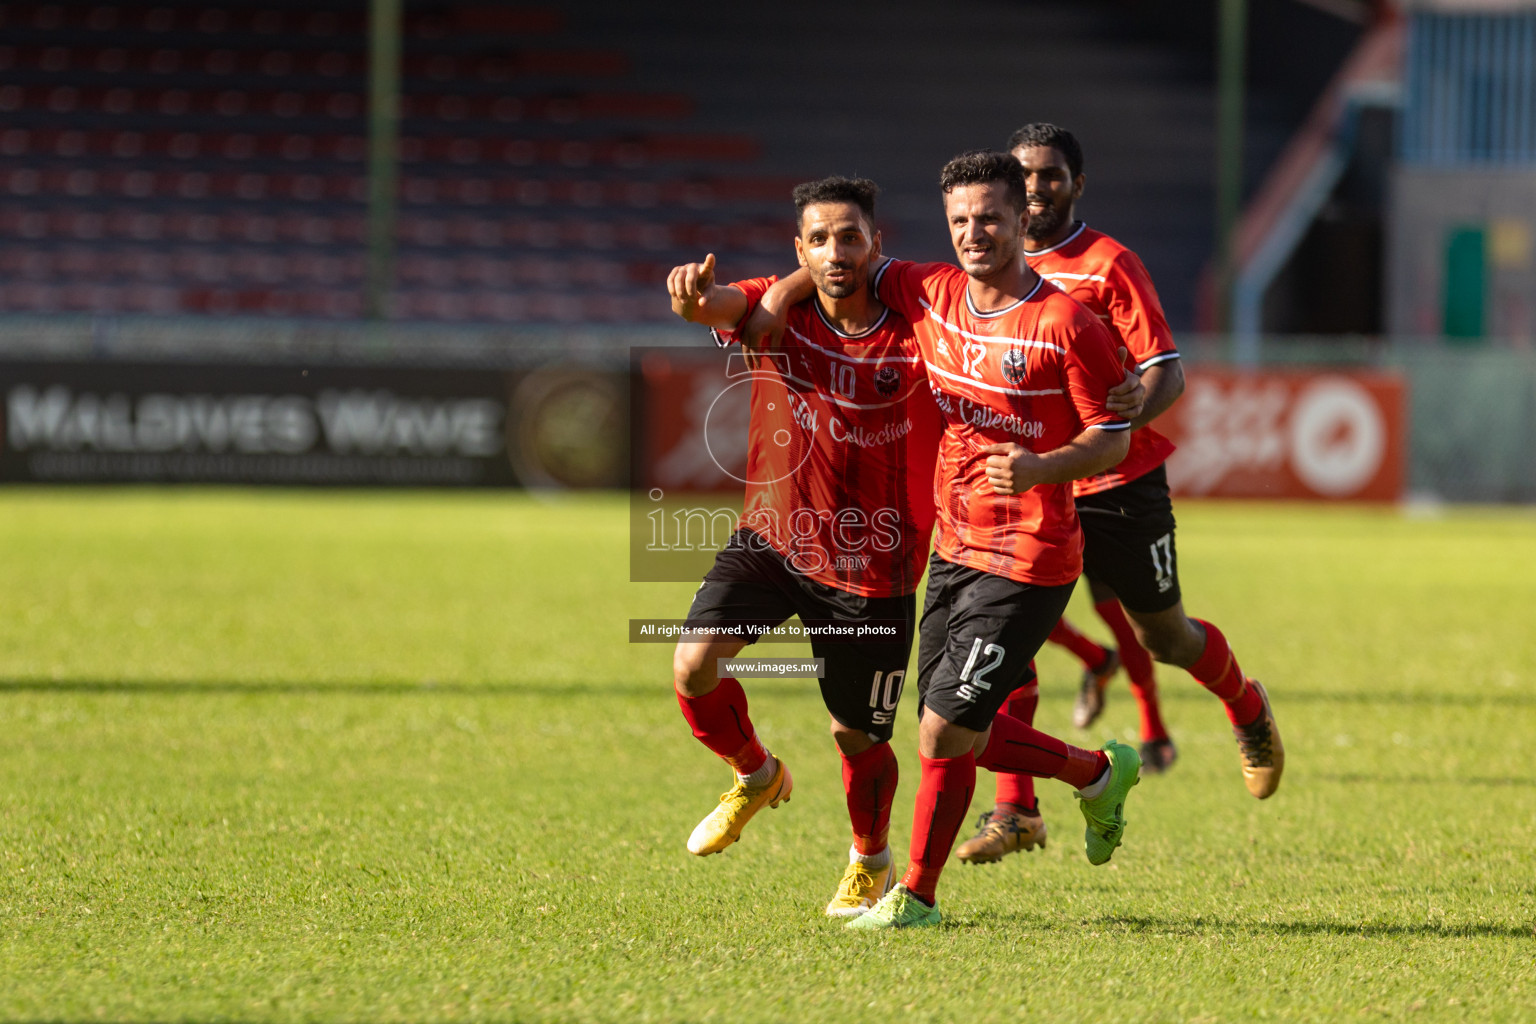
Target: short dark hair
{"x": 836, "y": 189}
{"x": 982, "y": 167}
{"x": 1043, "y": 133}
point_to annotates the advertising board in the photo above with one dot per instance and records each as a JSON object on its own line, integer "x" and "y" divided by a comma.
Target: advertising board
{"x": 1289, "y": 434}
{"x": 122, "y": 422}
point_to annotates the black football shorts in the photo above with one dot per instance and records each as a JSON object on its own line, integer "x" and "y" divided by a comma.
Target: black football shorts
{"x": 1128, "y": 542}
{"x": 978, "y": 635}
{"x": 752, "y": 584}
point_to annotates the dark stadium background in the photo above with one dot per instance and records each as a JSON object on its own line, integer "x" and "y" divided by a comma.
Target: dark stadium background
{"x": 192, "y": 206}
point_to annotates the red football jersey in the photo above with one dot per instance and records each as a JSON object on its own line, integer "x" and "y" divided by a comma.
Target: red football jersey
{"x": 1111, "y": 281}
{"x": 1036, "y": 373}
{"x": 843, "y": 436}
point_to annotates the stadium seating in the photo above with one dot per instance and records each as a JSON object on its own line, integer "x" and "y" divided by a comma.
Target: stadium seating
{"x": 183, "y": 157}
{"x": 195, "y": 157}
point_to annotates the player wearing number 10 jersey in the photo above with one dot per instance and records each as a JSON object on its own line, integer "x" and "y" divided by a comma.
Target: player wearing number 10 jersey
{"x": 843, "y": 429}
{"x": 835, "y": 527}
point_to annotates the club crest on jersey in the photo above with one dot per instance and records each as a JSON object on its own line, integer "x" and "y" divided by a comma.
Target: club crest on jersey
{"x": 1014, "y": 366}
{"x": 887, "y": 380}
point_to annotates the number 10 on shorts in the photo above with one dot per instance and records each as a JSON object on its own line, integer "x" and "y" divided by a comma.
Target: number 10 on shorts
{"x": 884, "y": 699}
{"x": 973, "y": 679}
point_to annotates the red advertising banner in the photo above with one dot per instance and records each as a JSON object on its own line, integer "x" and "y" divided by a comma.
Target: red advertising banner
{"x": 690, "y": 410}
{"x": 1289, "y": 434}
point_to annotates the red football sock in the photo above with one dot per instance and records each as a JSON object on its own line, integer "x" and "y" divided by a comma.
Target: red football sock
{"x": 719, "y": 720}
{"x": 1152, "y": 727}
{"x": 943, "y": 799}
{"x": 1217, "y": 670}
{"x": 1088, "y": 652}
{"x": 1016, "y": 791}
{"x": 1016, "y": 747}
{"x": 1138, "y": 667}
{"x": 869, "y": 780}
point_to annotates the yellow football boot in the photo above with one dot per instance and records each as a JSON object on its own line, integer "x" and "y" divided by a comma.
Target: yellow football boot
{"x": 861, "y": 888}
{"x": 723, "y": 825}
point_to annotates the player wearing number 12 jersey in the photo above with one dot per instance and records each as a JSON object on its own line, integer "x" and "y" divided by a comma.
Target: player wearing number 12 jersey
{"x": 1021, "y": 374}
{"x": 1127, "y": 515}
{"x": 835, "y": 527}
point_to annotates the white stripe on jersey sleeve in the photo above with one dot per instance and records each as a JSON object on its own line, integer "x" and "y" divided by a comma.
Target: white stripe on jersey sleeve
{"x": 1063, "y": 275}
{"x": 1161, "y": 357}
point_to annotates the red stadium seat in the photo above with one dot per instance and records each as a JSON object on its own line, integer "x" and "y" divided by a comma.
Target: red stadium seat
{"x": 18, "y": 262}
{"x": 414, "y": 269}
{"x": 43, "y": 298}
{"x": 160, "y": 300}
{"x": 126, "y": 144}
{"x": 90, "y": 298}
{"x": 139, "y": 225}
{"x": 77, "y": 261}
{"x": 188, "y": 166}
{"x": 488, "y": 19}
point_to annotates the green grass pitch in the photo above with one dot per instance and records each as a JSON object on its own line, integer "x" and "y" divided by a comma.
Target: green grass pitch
{"x": 359, "y": 756}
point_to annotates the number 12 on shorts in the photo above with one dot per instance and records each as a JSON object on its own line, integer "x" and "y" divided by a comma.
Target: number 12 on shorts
{"x": 974, "y": 679}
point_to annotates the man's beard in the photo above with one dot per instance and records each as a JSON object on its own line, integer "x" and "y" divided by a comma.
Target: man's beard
{"x": 838, "y": 290}
{"x": 1045, "y": 223}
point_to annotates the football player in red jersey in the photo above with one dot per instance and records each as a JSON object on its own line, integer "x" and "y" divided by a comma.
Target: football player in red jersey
{"x": 1022, "y": 375}
{"x": 835, "y": 526}
{"x": 1126, "y": 512}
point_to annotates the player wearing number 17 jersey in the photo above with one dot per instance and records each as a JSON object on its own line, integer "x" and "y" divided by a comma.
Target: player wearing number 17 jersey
{"x": 835, "y": 528}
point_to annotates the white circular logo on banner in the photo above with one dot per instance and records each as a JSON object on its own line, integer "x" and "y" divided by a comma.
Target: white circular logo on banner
{"x": 1338, "y": 436}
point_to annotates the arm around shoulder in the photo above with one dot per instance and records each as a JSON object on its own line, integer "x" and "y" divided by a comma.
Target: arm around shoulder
{"x": 772, "y": 311}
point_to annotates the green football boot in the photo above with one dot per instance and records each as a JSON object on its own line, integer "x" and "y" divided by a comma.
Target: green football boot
{"x": 896, "y": 909}
{"x": 1105, "y": 813}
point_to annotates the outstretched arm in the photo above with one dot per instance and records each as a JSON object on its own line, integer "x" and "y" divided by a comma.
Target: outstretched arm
{"x": 1014, "y": 469}
{"x": 697, "y": 299}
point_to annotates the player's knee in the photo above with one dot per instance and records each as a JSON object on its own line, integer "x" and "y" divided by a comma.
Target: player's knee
{"x": 692, "y": 674}
{"x": 939, "y": 738}
{"x": 1156, "y": 644}
{"x": 1171, "y": 643}
{"x": 850, "y": 741}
